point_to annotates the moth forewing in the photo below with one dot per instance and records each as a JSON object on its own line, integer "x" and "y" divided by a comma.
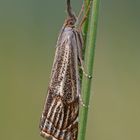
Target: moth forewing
{"x": 60, "y": 115}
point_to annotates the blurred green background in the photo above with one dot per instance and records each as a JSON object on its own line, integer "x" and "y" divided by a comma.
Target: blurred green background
{"x": 28, "y": 34}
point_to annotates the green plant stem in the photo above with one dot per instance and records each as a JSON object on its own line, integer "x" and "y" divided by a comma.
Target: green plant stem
{"x": 89, "y": 59}
{"x": 85, "y": 27}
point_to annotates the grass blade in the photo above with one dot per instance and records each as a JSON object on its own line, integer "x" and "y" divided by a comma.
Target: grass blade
{"x": 89, "y": 59}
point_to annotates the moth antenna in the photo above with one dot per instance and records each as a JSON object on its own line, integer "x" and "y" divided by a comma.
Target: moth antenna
{"x": 70, "y": 13}
{"x": 69, "y": 9}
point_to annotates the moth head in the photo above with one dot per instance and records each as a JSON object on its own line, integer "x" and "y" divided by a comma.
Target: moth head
{"x": 70, "y": 22}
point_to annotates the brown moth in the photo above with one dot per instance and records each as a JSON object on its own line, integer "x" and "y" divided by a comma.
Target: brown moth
{"x": 59, "y": 119}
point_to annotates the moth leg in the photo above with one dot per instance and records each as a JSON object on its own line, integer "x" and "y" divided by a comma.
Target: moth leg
{"x": 81, "y": 101}
{"x": 85, "y": 15}
{"x": 87, "y": 75}
{"x": 81, "y": 11}
{"x": 83, "y": 69}
{"x": 81, "y": 63}
{"x": 80, "y": 96}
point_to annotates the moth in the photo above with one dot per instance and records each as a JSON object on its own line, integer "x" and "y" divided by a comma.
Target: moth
{"x": 59, "y": 120}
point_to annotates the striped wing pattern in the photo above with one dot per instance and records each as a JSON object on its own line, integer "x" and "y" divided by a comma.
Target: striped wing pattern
{"x": 59, "y": 119}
